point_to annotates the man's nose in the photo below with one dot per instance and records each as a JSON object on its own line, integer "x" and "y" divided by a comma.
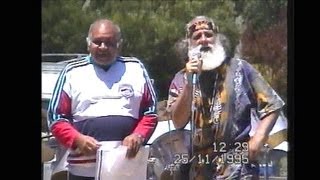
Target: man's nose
{"x": 103, "y": 45}
{"x": 203, "y": 40}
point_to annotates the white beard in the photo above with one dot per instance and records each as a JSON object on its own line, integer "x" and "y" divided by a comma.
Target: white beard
{"x": 213, "y": 58}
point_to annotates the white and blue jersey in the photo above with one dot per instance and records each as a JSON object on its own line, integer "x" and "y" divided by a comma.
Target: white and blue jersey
{"x": 105, "y": 104}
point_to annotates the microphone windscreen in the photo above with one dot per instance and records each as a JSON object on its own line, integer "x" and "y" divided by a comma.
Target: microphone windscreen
{"x": 195, "y": 53}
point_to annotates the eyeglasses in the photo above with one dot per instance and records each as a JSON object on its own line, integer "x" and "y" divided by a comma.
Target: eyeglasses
{"x": 105, "y": 43}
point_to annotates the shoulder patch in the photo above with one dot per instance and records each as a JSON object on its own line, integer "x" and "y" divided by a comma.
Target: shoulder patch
{"x": 126, "y": 90}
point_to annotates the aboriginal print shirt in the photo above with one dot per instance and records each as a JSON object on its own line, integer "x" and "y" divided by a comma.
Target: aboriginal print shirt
{"x": 223, "y": 112}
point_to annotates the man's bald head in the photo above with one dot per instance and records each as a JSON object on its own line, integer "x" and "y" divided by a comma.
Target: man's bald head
{"x": 106, "y": 23}
{"x": 104, "y": 41}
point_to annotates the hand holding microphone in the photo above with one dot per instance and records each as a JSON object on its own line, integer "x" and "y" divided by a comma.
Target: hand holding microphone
{"x": 193, "y": 66}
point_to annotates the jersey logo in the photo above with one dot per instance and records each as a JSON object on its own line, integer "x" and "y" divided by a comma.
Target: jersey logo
{"x": 126, "y": 90}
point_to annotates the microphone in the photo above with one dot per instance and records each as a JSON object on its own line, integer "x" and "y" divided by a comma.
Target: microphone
{"x": 195, "y": 53}
{"x": 194, "y": 78}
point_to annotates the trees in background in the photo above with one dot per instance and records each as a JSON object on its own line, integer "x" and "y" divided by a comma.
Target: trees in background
{"x": 151, "y": 28}
{"x": 264, "y": 41}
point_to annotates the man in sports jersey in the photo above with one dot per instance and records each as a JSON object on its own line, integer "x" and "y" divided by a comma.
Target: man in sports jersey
{"x": 102, "y": 97}
{"x": 220, "y": 94}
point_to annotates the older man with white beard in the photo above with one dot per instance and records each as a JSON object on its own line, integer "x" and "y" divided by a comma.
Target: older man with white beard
{"x": 224, "y": 92}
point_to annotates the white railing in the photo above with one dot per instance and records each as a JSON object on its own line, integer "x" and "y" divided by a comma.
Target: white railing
{"x": 64, "y": 56}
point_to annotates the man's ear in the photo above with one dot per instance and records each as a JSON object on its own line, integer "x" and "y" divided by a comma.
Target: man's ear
{"x": 88, "y": 43}
{"x": 119, "y": 43}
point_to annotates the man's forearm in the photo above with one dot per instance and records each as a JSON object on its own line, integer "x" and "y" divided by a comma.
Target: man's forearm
{"x": 182, "y": 108}
{"x": 261, "y": 135}
{"x": 65, "y": 133}
{"x": 146, "y": 126}
{"x": 266, "y": 124}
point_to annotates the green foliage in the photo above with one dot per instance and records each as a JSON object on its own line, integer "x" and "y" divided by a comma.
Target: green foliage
{"x": 64, "y": 26}
{"x": 149, "y": 28}
{"x": 261, "y": 13}
{"x": 264, "y": 41}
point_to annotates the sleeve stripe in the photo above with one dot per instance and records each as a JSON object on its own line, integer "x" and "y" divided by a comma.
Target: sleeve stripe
{"x": 54, "y": 101}
{"x": 152, "y": 109}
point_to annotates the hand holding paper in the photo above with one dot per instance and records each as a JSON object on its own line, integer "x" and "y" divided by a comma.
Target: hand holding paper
{"x": 133, "y": 143}
{"x": 113, "y": 164}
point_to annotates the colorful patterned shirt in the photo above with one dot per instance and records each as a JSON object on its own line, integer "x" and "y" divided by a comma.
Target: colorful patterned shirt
{"x": 224, "y": 102}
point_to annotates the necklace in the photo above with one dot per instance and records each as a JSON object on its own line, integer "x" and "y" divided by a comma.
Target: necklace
{"x": 215, "y": 104}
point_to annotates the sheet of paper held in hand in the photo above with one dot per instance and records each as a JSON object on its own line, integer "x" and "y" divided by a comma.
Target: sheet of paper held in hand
{"x": 113, "y": 164}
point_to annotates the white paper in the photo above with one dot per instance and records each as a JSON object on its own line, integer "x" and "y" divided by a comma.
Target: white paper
{"x": 112, "y": 164}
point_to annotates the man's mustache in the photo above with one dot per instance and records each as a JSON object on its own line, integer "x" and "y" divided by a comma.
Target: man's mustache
{"x": 206, "y": 48}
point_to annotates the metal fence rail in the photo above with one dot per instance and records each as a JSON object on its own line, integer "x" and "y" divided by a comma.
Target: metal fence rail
{"x": 64, "y": 54}
{"x": 57, "y": 57}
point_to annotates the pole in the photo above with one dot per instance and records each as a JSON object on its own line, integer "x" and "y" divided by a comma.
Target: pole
{"x": 193, "y": 113}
